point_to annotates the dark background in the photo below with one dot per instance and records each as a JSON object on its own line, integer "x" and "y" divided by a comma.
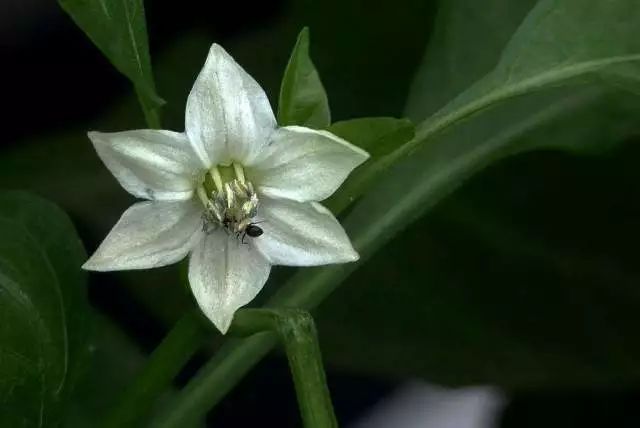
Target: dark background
{"x": 526, "y": 278}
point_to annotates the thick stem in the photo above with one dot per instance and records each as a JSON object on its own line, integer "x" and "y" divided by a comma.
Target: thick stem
{"x": 184, "y": 339}
{"x": 297, "y": 333}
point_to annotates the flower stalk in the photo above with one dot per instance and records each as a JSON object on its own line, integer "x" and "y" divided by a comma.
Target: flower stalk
{"x": 297, "y": 333}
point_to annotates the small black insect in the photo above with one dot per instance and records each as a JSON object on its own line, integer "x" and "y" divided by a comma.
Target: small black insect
{"x": 252, "y": 230}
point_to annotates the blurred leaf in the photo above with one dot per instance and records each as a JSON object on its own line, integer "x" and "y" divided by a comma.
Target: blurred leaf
{"x": 303, "y": 100}
{"x": 115, "y": 361}
{"x": 466, "y": 44}
{"x": 43, "y": 309}
{"x": 564, "y": 117}
{"x": 118, "y": 28}
{"x": 526, "y": 277}
{"x": 544, "y": 53}
{"x": 558, "y": 43}
{"x": 541, "y": 57}
{"x": 377, "y": 135}
{"x": 432, "y": 321}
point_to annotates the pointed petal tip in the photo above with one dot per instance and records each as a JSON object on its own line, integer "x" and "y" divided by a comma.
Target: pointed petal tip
{"x": 217, "y": 50}
{"x": 93, "y": 136}
{"x": 348, "y": 255}
{"x": 96, "y": 263}
{"x": 223, "y": 323}
{"x": 91, "y": 265}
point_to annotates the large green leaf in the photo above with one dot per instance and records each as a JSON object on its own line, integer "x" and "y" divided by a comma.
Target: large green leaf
{"x": 483, "y": 293}
{"x": 466, "y": 44}
{"x": 541, "y": 56}
{"x": 303, "y": 100}
{"x": 429, "y": 316}
{"x": 118, "y": 28}
{"x": 43, "y": 310}
{"x": 560, "y": 42}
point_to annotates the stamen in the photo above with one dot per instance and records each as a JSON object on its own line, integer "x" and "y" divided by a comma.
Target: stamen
{"x": 202, "y": 194}
{"x": 239, "y": 172}
{"x": 217, "y": 178}
{"x": 230, "y": 196}
{"x": 230, "y": 203}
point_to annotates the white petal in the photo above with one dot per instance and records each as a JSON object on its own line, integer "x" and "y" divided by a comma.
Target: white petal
{"x": 150, "y": 164}
{"x": 301, "y": 234}
{"x": 225, "y": 274}
{"x": 228, "y": 114}
{"x": 304, "y": 164}
{"x": 149, "y": 234}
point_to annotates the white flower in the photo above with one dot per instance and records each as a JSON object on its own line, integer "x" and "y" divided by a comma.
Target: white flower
{"x": 234, "y": 191}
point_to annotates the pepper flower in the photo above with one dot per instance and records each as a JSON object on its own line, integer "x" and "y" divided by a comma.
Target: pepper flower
{"x": 234, "y": 192}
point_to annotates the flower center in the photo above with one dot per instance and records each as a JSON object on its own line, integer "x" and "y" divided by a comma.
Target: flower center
{"x": 229, "y": 200}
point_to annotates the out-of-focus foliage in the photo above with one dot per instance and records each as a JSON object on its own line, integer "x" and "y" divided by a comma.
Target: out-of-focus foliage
{"x": 114, "y": 360}
{"x": 43, "y": 310}
{"x": 452, "y": 309}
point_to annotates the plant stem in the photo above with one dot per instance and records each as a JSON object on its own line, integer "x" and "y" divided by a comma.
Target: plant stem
{"x": 296, "y": 329}
{"x": 297, "y": 332}
{"x": 184, "y": 339}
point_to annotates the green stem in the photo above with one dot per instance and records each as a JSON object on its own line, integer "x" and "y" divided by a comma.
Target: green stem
{"x": 296, "y": 330}
{"x": 164, "y": 363}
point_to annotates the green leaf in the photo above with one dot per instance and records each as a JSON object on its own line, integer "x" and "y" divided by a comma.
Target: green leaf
{"x": 558, "y": 44}
{"x": 118, "y": 28}
{"x": 526, "y": 277}
{"x": 303, "y": 100}
{"x": 43, "y": 310}
{"x": 467, "y": 40}
{"x": 377, "y": 135}
{"x": 440, "y": 317}
{"x": 542, "y": 57}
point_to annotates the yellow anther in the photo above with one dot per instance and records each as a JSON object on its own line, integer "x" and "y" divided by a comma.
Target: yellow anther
{"x": 217, "y": 178}
{"x": 239, "y": 172}
{"x": 202, "y": 194}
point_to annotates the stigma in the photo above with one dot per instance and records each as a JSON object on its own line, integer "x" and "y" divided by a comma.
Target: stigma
{"x": 230, "y": 201}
